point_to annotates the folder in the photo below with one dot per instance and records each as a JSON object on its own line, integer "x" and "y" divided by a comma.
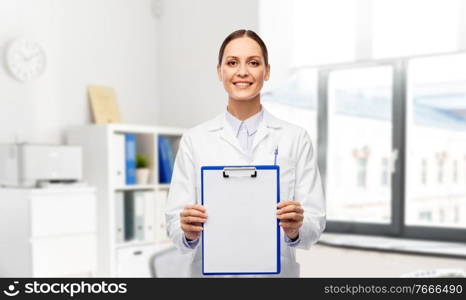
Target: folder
{"x": 149, "y": 216}
{"x": 130, "y": 155}
{"x": 120, "y": 159}
{"x": 242, "y": 234}
{"x": 161, "y": 235}
{"x": 139, "y": 200}
{"x": 120, "y": 216}
{"x": 129, "y": 215}
{"x": 166, "y": 160}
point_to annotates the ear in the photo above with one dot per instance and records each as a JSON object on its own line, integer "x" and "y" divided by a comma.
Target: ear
{"x": 267, "y": 72}
{"x": 219, "y": 73}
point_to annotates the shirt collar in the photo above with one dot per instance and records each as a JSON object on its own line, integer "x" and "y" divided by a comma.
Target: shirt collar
{"x": 251, "y": 124}
{"x": 269, "y": 121}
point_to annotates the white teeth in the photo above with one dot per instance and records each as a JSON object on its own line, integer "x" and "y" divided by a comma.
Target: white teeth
{"x": 242, "y": 84}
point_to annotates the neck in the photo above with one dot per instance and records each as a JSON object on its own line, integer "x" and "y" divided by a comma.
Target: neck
{"x": 244, "y": 109}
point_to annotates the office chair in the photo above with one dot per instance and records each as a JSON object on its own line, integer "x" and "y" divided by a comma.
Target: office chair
{"x": 169, "y": 263}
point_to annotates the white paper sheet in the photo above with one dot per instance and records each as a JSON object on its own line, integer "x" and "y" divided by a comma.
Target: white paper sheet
{"x": 241, "y": 234}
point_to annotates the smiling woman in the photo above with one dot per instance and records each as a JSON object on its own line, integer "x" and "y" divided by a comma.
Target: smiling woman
{"x": 246, "y": 134}
{"x": 243, "y": 67}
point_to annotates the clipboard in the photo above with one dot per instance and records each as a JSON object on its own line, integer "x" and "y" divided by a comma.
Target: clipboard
{"x": 242, "y": 234}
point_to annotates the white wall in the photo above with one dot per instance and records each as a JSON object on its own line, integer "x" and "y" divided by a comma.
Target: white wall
{"x": 190, "y": 34}
{"x": 108, "y": 42}
{"x": 163, "y": 69}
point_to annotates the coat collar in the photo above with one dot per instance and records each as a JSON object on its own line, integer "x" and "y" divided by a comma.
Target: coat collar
{"x": 220, "y": 124}
{"x": 269, "y": 121}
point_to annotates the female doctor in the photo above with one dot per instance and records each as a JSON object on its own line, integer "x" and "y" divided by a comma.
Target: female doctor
{"x": 246, "y": 134}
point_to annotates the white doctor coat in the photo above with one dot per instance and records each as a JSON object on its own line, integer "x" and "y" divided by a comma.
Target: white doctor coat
{"x": 213, "y": 143}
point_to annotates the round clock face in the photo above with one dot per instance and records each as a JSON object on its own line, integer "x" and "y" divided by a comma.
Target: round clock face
{"x": 25, "y": 59}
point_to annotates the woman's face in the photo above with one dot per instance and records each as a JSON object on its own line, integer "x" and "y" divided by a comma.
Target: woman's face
{"x": 243, "y": 70}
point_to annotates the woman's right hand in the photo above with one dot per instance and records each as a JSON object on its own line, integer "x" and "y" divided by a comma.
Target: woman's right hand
{"x": 191, "y": 219}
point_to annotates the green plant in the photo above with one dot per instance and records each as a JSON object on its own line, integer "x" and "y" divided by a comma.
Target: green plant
{"x": 142, "y": 161}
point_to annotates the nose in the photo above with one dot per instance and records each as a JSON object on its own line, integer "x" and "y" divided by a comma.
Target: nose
{"x": 242, "y": 70}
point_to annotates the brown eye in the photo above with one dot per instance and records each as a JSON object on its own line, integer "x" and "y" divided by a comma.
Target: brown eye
{"x": 254, "y": 63}
{"x": 231, "y": 63}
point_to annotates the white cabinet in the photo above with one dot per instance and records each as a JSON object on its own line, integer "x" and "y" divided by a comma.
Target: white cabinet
{"x": 73, "y": 256}
{"x": 48, "y": 232}
{"x": 133, "y": 261}
{"x": 104, "y": 168}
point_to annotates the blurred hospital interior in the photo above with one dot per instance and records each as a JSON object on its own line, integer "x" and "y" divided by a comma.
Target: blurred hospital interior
{"x": 379, "y": 85}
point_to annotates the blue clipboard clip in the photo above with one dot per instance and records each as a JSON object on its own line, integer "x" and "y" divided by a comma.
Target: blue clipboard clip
{"x": 247, "y": 172}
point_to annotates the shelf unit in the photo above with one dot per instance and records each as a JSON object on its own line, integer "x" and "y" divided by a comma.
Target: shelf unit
{"x": 99, "y": 168}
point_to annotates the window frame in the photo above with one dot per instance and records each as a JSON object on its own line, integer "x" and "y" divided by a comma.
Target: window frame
{"x": 397, "y": 227}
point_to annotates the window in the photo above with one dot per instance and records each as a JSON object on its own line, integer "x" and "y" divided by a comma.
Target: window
{"x": 464, "y": 170}
{"x": 392, "y": 130}
{"x": 457, "y": 214}
{"x": 455, "y": 171}
{"x": 441, "y": 215}
{"x": 317, "y": 32}
{"x": 361, "y": 166}
{"x": 384, "y": 177}
{"x": 436, "y": 129}
{"x": 311, "y": 44}
{"x": 359, "y": 136}
{"x": 415, "y": 107}
{"x": 425, "y": 216}
{"x": 421, "y": 26}
{"x": 424, "y": 171}
{"x": 440, "y": 158}
{"x": 296, "y": 101}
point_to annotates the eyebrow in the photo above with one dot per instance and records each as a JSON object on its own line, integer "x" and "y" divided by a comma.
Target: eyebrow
{"x": 254, "y": 56}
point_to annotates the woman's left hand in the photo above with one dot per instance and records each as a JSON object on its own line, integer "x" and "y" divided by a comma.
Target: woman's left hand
{"x": 291, "y": 216}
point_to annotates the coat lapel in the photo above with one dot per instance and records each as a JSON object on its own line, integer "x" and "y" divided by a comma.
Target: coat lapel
{"x": 268, "y": 124}
{"x": 226, "y": 133}
{"x": 229, "y": 137}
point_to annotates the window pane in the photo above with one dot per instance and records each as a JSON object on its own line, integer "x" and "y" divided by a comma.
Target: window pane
{"x": 412, "y": 27}
{"x": 295, "y": 101}
{"x": 436, "y": 142}
{"x": 323, "y": 31}
{"x": 359, "y": 144}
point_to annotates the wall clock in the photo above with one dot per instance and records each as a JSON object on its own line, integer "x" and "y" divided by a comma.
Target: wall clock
{"x": 25, "y": 59}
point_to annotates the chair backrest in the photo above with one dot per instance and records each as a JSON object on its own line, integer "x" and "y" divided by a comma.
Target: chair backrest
{"x": 170, "y": 263}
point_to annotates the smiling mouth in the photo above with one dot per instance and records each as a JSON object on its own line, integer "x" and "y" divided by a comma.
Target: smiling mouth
{"x": 242, "y": 84}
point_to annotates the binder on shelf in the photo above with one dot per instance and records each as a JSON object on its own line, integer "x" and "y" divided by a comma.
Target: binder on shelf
{"x": 130, "y": 158}
{"x": 129, "y": 216}
{"x": 149, "y": 216}
{"x": 166, "y": 160}
{"x": 120, "y": 216}
{"x": 176, "y": 144}
{"x": 120, "y": 159}
{"x": 171, "y": 158}
{"x": 160, "y": 225}
{"x": 139, "y": 215}
{"x": 119, "y": 144}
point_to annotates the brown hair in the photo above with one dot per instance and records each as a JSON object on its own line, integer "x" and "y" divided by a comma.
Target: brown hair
{"x": 241, "y": 33}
